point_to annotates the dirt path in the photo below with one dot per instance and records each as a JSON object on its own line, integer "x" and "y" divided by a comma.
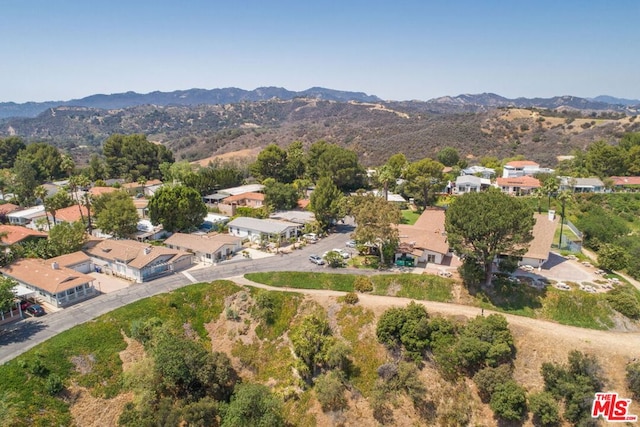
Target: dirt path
{"x": 624, "y": 344}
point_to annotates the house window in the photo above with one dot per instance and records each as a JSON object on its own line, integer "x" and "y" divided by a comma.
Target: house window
{"x": 208, "y": 256}
{"x": 431, "y": 258}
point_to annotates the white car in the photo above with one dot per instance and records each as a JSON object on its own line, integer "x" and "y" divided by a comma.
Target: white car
{"x": 343, "y": 253}
{"x": 310, "y": 237}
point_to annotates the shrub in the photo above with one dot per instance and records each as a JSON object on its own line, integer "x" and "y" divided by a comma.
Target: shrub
{"x": 633, "y": 378}
{"x": 334, "y": 259}
{"x": 509, "y": 401}
{"x": 351, "y": 298}
{"x": 545, "y": 409}
{"x": 38, "y": 368}
{"x": 54, "y": 384}
{"x": 488, "y": 379}
{"x": 266, "y": 303}
{"x": 624, "y": 302}
{"x": 363, "y": 284}
{"x": 253, "y": 405}
{"x": 330, "y": 391}
{"x": 406, "y": 328}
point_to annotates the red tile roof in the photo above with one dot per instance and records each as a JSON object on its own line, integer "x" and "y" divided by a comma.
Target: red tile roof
{"x": 71, "y": 213}
{"x": 244, "y": 196}
{"x": 99, "y": 191}
{"x": 543, "y": 233}
{"x": 8, "y": 208}
{"x": 71, "y": 259}
{"x": 17, "y": 233}
{"x": 133, "y": 253}
{"x": 522, "y": 163}
{"x": 303, "y": 203}
{"x": 149, "y": 183}
{"x": 521, "y": 181}
{"x": 618, "y": 180}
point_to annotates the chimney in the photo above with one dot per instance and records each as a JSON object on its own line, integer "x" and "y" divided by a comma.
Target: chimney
{"x": 147, "y": 250}
{"x": 54, "y": 265}
{"x": 551, "y": 215}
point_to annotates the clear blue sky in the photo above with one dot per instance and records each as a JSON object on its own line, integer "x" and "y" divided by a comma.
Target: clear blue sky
{"x": 397, "y": 50}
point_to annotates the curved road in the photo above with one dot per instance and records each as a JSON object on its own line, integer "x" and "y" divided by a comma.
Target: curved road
{"x": 19, "y": 337}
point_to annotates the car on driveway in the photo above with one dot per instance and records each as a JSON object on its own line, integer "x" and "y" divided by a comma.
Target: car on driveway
{"x": 35, "y": 310}
{"x": 350, "y": 244}
{"x": 316, "y": 259}
{"x": 342, "y": 252}
{"x": 310, "y": 237}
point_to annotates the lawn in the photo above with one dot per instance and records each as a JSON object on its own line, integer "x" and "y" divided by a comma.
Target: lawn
{"x": 422, "y": 287}
{"x": 409, "y": 216}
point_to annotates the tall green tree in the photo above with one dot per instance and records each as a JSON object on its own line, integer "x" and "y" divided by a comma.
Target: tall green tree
{"x": 45, "y": 159}
{"x": 41, "y": 193}
{"x": 253, "y": 405}
{"x": 280, "y": 196}
{"x": 481, "y": 226}
{"x": 326, "y": 202}
{"x": 448, "y": 156}
{"x": 65, "y": 238}
{"x": 605, "y": 160}
{"x": 272, "y": 163}
{"x": 550, "y": 187}
{"x": 376, "y": 223}
{"x": 397, "y": 163}
{"x": 24, "y": 181}
{"x": 340, "y": 164}
{"x": 9, "y": 149}
{"x": 116, "y": 214}
{"x": 423, "y": 178}
{"x": 295, "y": 160}
{"x": 384, "y": 179}
{"x": 7, "y": 297}
{"x": 177, "y": 208}
{"x": 132, "y": 156}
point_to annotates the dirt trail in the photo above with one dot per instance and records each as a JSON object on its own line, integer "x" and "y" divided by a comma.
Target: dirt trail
{"x": 625, "y": 344}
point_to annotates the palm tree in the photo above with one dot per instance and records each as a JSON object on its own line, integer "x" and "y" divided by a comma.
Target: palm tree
{"x": 67, "y": 164}
{"x": 385, "y": 177}
{"x": 142, "y": 181}
{"x": 41, "y": 193}
{"x": 563, "y": 197}
{"x": 550, "y": 187}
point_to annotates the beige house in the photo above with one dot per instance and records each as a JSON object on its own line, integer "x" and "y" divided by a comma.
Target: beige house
{"x": 426, "y": 240}
{"x": 51, "y": 281}
{"x": 136, "y": 261}
{"x": 518, "y": 185}
{"x": 208, "y": 248}
{"x": 543, "y": 234}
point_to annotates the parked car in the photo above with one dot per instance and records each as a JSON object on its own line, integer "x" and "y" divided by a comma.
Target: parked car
{"x": 24, "y": 304}
{"x": 35, "y": 310}
{"x": 350, "y": 244}
{"x": 310, "y": 237}
{"x": 343, "y": 253}
{"x": 316, "y": 259}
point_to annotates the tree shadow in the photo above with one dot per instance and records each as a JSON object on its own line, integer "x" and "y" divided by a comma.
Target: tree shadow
{"x": 511, "y": 294}
{"x": 20, "y": 331}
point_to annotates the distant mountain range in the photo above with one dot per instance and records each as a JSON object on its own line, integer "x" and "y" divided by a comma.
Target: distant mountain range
{"x": 193, "y": 97}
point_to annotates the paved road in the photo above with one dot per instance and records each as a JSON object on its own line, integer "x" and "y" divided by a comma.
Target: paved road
{"x": 19, "y": 337}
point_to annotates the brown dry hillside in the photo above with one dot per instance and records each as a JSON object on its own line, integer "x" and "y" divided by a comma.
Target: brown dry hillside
{"x": 373, "y": 130}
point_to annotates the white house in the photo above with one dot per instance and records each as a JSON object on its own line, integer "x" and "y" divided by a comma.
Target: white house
{"x": 27, "y": 217}
{"x": 207, "y": 249}
{"x": 543, "y": 235}
{"x": 426, "y": 240}
{"x": 519, "y": 168}
{"x": 259, "y": 229}
{"x": 581, "y": 185}
{"x": 470, "y": 184}
{"x": 487, "y": 173}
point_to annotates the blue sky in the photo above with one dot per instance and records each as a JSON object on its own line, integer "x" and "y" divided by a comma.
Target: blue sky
{"x": 397, "y": 50}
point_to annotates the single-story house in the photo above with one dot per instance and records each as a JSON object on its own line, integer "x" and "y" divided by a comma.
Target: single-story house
{"x": 136, "y": 261}
{"x": 147, "y": 231}
{"x": 619, "y": 183}
{"x": 581, "y": 185}
{"x": 99, "y": 191}
{"x": 78, "y": 261}
{"x": 256, "y": 229}
{"x": 391, "y": 197}
{"x": 481, "y": 171}
{"x": 518, "y": 185}
{"x": 54, "y": 283}
{"x": 69, "y": 214}
{"x": 206, "y": 248}
{"x": 19, "y": 234}
{"x": 141, "y": 207}
{"x": 470, "y": 184}
{"x": 297, "y": 216}
{"x": 426, "y": 240}
{"x": 519, "y": 168}
{"x": 215, "y": 198}
{"x": 249, "y": 188}
{"x": 212, "y": 222}
{"x": 27, "y": 217}
{"x": 251, "y": 200}
{"x": 148, "y": 189}
{"x": 7, "y": 208}
{"x": 543, "y": 234}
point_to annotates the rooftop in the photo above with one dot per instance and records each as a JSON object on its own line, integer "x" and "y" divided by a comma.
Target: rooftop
{"x": 206, "y": 243}
{"x": 521, "y": 181}
{"x": 268, "y": 226}
{"x": 250, "y": 188}
{"x": 17, "y": 233}
{"x": 133, "y": 253}
{"x": 543, "y": 233}
{"x": 45, "y": 274}
{"x": 427, "y": 233}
